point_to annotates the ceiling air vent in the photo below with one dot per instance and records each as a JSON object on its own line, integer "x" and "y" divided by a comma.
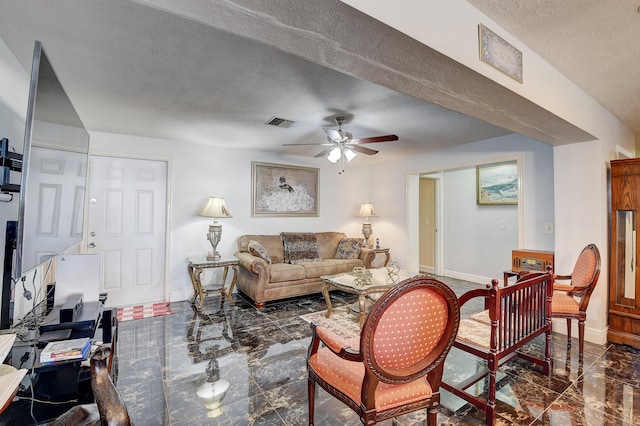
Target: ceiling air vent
{"x": 279, "y": 122}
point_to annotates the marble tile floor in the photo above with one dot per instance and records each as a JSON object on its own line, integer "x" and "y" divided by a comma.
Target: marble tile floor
{"x": 260, "y": 355}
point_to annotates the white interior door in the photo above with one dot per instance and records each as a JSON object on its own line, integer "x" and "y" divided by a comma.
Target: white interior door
{"x": 127, "y": 226}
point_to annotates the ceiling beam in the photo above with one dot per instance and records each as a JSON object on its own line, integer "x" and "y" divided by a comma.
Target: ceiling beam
{"x": 342, "y": 38}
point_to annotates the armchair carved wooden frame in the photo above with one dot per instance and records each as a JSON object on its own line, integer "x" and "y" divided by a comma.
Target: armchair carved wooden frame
{"x": 395, "y": 366}
{"x": 515, "y": 315}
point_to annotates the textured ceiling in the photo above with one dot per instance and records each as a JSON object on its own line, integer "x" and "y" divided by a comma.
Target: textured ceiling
{"x": 595, "y": 43}
{"x": 214, "y": 72}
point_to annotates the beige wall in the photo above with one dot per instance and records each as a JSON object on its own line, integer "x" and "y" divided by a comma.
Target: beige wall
{"x": 427, "y": 224}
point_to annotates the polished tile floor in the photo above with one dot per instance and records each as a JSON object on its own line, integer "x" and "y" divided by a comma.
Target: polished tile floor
{"x": 259, "y": 356}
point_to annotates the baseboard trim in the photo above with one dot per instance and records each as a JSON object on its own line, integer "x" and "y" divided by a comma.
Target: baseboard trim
{"x": 593, "y": 335}
{"x": 478, "y": 279}
{"x": 179, "y": 296}
{"x": 427, "y": 269}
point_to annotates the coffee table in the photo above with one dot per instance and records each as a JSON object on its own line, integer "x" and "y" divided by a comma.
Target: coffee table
{"x": 346, "y": 283}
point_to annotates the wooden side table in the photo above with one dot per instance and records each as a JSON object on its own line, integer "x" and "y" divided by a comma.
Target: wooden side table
{"x": 196, "y": 267}
{"x": 386, "y": 253}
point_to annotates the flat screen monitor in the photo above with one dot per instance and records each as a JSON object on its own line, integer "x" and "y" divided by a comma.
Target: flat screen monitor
{"x": 54, "y": 171}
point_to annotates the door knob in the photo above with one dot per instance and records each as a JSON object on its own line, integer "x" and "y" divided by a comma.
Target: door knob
{"x": 92, "y": 245}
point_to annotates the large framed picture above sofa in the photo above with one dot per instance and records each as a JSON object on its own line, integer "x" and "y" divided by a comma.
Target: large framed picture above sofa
{"x": 279, "y": 190}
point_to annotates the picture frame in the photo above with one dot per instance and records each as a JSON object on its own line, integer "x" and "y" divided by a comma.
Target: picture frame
{"x": 497, "y": 184}
{"x": 499, "y": 53}
{"x": 280, "y": 190}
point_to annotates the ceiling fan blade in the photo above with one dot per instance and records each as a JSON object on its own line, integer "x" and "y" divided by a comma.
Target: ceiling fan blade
{"x": 362, "y": 149}
{"x": 324, "y": 153}
{"x": 309, "y": 144}
{"x": 333, "y": 134}
{"x": 374, "y": 139}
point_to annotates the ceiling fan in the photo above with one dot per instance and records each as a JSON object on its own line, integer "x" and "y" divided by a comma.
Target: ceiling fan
{"x": 342, "y": 145}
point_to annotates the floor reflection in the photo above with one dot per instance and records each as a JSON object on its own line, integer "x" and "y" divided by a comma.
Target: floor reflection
{"x": 232, "y": 364}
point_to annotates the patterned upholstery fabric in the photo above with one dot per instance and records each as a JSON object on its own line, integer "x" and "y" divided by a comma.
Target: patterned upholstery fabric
{"x": 562, "y": 303}
{"x": 475, "y": 332}
{"x": 349, "y": 248}
{"x": 299, "y": 247}
{"x": 347, "y": 376}
{"x": 257, "y": 249}
{"x": 482, "y": 317}
{"x": 584, "y": 268}
{"x": 409, "y": 329}
{"x": 406, "y": 333}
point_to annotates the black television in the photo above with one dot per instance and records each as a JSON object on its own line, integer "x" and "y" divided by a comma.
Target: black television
{"x": 54, "y": 171}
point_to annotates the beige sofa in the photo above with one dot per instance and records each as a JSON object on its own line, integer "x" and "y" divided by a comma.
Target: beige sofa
{"x": 287, "y": 276}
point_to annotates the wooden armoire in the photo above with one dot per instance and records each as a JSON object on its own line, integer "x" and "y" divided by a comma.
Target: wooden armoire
{"x": 624, "y": 279}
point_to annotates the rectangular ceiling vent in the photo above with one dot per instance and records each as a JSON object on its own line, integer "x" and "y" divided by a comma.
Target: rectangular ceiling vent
{"x": 279, "y": 122}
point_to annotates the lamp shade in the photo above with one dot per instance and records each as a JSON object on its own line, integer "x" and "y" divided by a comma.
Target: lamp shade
{"x": 216, "y": 207}
{"x": 367, "y": 210}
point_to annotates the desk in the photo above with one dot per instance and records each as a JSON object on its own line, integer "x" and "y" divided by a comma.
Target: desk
{"x": 199, "y": 264}
{"x": 60, "y": 386}
{"x": 508, "y": 274}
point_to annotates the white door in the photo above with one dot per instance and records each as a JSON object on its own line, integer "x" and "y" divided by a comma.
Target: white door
{"x": 127, "y": 226}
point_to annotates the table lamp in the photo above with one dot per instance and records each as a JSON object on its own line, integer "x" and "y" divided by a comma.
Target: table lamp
{"x": 367, "y": 211}
{"x": 215, "y": 208}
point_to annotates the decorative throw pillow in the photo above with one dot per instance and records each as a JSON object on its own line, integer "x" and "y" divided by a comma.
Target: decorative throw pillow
{"x": 299, "y": 247}
{"x": 257, "y": 249}
{"x": 348, "y": 248}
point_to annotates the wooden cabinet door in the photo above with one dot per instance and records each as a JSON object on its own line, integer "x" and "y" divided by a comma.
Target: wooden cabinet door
{"x": 624, "y": 279}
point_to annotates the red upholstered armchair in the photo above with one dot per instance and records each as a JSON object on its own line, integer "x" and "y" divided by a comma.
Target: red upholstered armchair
{"x": 395, "y": 366}
{"x": 570, "y": 300}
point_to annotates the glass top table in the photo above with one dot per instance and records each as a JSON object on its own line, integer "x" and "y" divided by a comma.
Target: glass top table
{"x": 347, "y": 282}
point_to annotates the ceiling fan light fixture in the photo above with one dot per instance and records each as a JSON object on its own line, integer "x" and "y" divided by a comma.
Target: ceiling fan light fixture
{"x": 349, "y": 154}
{"x": 334, "y": 155}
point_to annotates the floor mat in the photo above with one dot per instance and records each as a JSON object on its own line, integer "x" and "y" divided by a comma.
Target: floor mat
{"x": 341, "y": 322}
{"x": 144, "y": 311}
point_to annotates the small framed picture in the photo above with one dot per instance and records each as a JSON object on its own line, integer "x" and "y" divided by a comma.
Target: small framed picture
{"x": 497, "y": 183}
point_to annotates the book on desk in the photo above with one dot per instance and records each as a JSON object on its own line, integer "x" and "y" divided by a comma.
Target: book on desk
{"x": 65, "y": 350}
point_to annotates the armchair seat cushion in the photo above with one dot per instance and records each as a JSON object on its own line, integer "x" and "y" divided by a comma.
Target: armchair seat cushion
{"x": 563, "y": 303}
{"x": 347, "y": 376}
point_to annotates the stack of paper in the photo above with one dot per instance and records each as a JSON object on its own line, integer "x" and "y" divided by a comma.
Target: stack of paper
{"x": 65, "y": 350}
{"x": 10, "y": 378}
{"x": 6, "y": 343}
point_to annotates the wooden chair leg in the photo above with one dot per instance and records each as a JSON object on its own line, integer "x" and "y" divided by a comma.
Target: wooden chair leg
{"x": 581, "y": 337}
{"x": 311, "y": 393}
{"x": 569, "y": 332}
{"x": 432, "y": 416}
{"x": 490, "y": 410}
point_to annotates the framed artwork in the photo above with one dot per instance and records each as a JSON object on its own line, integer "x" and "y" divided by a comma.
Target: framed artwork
{"x": 499, "y": 53}
{"x": 279, "y": 190}
{"x": 497, "y": 183}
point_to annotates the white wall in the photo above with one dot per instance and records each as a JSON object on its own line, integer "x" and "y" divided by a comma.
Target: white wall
{"x": 198, "y": 171}
{"x": 392, "y": 191}
{"x": 580, "y": 188}
{"x": 476, "y": 245}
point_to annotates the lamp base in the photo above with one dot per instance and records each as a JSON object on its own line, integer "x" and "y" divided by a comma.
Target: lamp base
{"x": 213, "y": 256}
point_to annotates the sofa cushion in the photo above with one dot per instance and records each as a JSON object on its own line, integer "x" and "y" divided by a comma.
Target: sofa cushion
{"x": 346, "y": 265}
{"x": 281, "y": 272}
{"x": 272, "y": 243}
{"x": 328, "y": 243}
{"x": 317, "y": 269}
{"x": 348, "y": 248}
{"x": 257, "y": 249}
{"x": 299, "y": 247}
